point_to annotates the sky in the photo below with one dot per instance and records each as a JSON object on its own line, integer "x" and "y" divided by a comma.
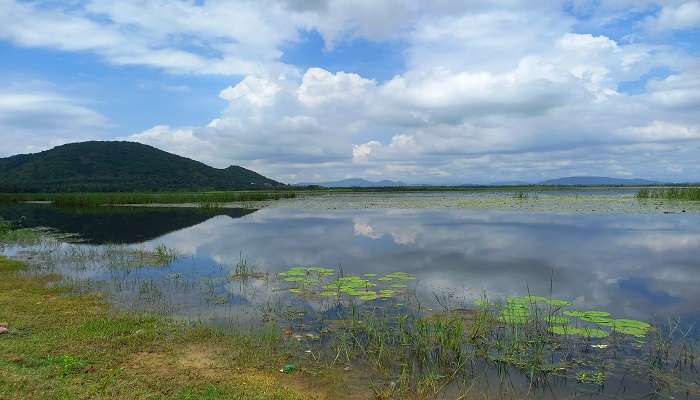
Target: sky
{"x": 440, "y": 92}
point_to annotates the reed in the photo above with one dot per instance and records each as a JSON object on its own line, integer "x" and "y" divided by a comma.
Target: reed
{"x": 202, "y": 199}
{"x": 681, "y": 194}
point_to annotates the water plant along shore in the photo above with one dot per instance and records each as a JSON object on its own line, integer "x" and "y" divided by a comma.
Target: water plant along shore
{"x": 203, "y": 199}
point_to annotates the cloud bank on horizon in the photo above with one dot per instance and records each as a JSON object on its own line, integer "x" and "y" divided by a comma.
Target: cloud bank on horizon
{"x": 316, "y": 90}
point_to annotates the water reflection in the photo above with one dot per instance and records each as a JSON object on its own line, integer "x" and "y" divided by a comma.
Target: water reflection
{"x": 122, "y": 225}
{"x": 637, "y": 266}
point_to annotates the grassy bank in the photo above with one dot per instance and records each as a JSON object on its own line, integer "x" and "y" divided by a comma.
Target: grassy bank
{"x": 76, "y": 347}
{"x": 204, "y": 199}
{"x": 691, "y": 194}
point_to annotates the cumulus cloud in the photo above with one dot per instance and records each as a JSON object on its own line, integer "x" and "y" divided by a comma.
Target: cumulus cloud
{"x": 521, "y": 88}
{"x": 275, "y": 120}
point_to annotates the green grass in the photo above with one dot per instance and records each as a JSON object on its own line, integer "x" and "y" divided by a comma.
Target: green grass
{"x": 77, "y": 347}
{"x": 204, "y": 199}
{"x": 691, "y": 194}
{"x": 10, "y": 234}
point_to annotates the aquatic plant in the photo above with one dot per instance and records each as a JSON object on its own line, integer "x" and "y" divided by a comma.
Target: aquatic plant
{"x": 110, "y": 256}
{"x": 374, "y": 322}
{"x": 315, "y": 281}
{"x": 244, "y": 270}
{"x": 521, "y": 195}
{"x": 201, "y": 199}
{"x": 690, "y": 194}
{"x": 10, "y": 233}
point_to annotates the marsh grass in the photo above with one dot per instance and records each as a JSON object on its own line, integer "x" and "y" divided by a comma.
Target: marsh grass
{"x": 689, "y": 194}
{"x": 244, "y": 270}
{"x": 521, "y": 195}
{"x": 67, "y": 347}
{"x": 110, "y": 256}
{"x": 201, "y": 199}
{"x": 414, "y": 354}
{"x": 10, "y": 233}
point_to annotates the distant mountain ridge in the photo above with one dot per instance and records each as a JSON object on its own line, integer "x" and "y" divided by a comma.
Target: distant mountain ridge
{"x": 101, "y": 166}
{"x": 597, "y": 180}
{"x": 355, "y": 182}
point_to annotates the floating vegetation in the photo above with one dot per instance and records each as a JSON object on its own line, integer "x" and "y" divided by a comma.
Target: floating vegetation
{"x": 596, "y": 378}
{"x": 631, "y": 327}
{"x": 515, "y": 313}
{"x": 318, "y": 281}
{"x": 596, "y": 317}
{"x": 560, "y": 321}
{"x": 578, "y": 331}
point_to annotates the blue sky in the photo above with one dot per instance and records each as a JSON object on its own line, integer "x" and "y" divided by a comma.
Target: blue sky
{"x": 453, "y": 92}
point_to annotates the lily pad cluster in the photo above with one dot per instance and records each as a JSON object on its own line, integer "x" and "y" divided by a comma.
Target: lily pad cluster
{"x": 519, "y": 310}
{"x": 626, "y": 326}
{"x": 318, "y": 281}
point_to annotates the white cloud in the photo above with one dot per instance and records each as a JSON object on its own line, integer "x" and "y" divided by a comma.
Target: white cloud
{"x": 680, "y": 16}
{"x": 258, "y": 91}
{"x": 229, "y": 38}
{"x": 660, "y": 131}
{"x": 319, "y": 86}
{"x": 515, "y": 87}
{"x": 32, "y": 120}
{"x": 677, "y": 91}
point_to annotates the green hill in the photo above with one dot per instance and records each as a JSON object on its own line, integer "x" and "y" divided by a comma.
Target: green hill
{"x": 119, "y": 167}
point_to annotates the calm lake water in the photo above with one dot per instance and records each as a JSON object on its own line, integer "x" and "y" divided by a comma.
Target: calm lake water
{"x": 642, "y": 266}
{"x": 601, "y": 250}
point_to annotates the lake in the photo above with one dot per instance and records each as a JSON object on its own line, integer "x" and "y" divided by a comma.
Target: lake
{"x": 638, "y": 261}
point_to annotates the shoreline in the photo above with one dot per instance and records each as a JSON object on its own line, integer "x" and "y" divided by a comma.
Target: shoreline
{"x": 59, "y": 344}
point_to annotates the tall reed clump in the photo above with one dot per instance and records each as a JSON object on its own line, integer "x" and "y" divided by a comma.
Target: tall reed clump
{"x": 687, "y": 194}
{"x": 203, "y": 199}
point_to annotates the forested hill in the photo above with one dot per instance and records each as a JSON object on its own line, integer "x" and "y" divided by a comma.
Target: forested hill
{"x": 119, "y": 166}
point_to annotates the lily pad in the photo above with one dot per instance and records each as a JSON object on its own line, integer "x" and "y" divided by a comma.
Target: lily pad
{"x": 578, "y": 331}
{"x": 595, "y": 317}
{"x": 631, "y": 327}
